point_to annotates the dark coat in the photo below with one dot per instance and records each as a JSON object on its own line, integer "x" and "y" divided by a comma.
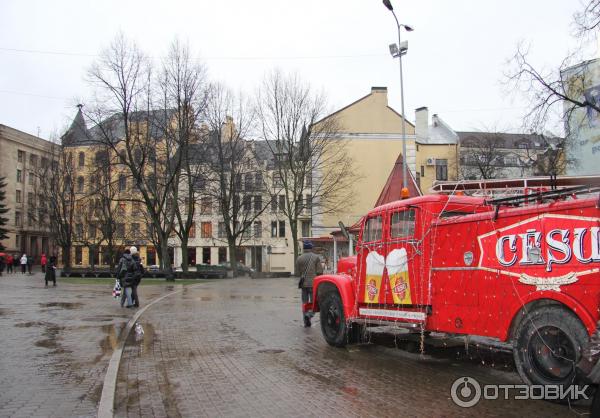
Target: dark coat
{"x": 50, "y": 272}
{"x": 309, "y": 266}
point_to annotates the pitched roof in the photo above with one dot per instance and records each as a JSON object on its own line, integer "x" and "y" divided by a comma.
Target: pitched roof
{"x": 77, "y": 132}
{"x": 393, "y": 187}
{"x": 505, "y": 140}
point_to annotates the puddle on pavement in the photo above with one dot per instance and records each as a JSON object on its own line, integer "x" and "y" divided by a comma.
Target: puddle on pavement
{"x": 4, "y": 311}
{"x": 99, "y": 318}
{"x": 271, "y": 351}
{"x": 30, "y": 324}
{"x": 63, "y": 305}
{"x": 109, "y": 343}
{"x": 206, "y": 298}
{"x": 46, "y": 344}
{"x": 170, "y": 288}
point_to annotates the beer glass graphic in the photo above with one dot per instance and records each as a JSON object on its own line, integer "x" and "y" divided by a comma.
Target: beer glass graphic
{"x": 397, "y": 268}
{"x": 375, "y": 266}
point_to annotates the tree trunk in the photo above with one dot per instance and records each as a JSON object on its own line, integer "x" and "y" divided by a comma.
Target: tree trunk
{"x": 164, "y": 258}
{"x": 184, "y": 254}
{"x": 232, "y": 256}
{"x": 66, "y": 256}
{"x": 294, "y": 229}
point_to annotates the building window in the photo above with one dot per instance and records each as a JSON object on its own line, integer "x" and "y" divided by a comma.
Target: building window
{"x": 257, "y": 203}
{"x": 18, "y": 241}
{"x": 247, "y": 203}
{"x": 192, "y": 233}
{"x": 18, "y": 196}
{"x": 277, "y": 182}
{"x": 422, "y": 171}
{"x": 281, "y": 203}
{"x": 274, "y": 229}
{"x": 81, "y": 159}
{"x": 281, "y": 229}
{"x": 305, "y": 228}
{"x": 206, "y": 229}
{"x": 92, "y": 231}
{"x": 308, "y": 206}
{"x": 20, "y": 156}
{"x": 122, "y": 182}
{"x": 221, "y": 230}
{"x": 31, "y": 199}
{"x": 79, "y": 231}
{"x": 33, "y": 160}
{"x": 205, "y": 206}
{"x": 18, "y": 221}
{"x": 258, "y": 229}
{"x": 31, "y": 178}
{"x": 222, "y": 255}
{"x": 273, "y": 204}
{"x": 441, "y": 169}
{"x": 19, "y": 176}
{"x": 78, "y": 255}
{"x": 247, "y": 229}
{"x": 80, "y": 184}
{"x": 249, "y": 182}
{"x": 258, "y": 181}
{"x": 135, "y": 230}
{"x": 119, "y": 230}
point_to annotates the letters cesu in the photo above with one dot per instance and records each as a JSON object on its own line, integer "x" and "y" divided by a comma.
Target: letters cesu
{"x": 561, "y": 246}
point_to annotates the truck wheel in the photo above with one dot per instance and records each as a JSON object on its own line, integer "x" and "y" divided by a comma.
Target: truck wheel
{"x": 333, "y": 323}
{"x": 548, "y": 345}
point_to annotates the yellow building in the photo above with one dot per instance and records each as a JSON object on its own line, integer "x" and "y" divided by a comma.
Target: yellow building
{"x": 372, "y": 134}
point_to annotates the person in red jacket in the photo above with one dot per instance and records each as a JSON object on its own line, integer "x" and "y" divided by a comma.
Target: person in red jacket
{"x": 9, "y": 263}
{"x": 43, "y": 262}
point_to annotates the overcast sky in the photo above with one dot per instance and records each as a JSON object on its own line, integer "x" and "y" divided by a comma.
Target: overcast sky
{"x": 455, "y": 63}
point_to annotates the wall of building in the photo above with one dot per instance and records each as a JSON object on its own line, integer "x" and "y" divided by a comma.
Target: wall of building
{"x": 31, "y": 236}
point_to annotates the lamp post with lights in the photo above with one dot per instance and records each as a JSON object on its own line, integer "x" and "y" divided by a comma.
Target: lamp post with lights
{"x": 397, "y": 51}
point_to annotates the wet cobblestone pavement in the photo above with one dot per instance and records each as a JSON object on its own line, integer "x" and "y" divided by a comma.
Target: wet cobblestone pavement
{"x": 237, "y": 348}
{"x": 225, "y": 348}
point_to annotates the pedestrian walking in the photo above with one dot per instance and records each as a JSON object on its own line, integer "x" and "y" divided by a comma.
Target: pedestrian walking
{"x": 24, "y": 264}
{"x": 50, "y": 273}
{"x": 125, "y": 271}
{"x": 9, "y": 263}
{"x": 29, "y": 263}
{"x": 138, "y": 272}
{"x": 16, "y": 262}
{"x": 308, "y": 265}
{"x": 2, "y": 264}
{"x": 43, "y": 262}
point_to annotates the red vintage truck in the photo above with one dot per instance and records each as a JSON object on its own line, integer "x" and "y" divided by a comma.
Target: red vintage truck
{"x": 524, "y": 269}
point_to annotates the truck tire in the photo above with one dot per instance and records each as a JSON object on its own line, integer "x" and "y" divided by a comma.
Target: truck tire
{"x": 547, "y": 346}
{"x": 333, "y": 323}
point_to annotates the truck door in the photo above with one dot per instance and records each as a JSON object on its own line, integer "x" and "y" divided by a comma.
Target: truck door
{"x": 403, "y": 259}
{"x": 371, "y": 261}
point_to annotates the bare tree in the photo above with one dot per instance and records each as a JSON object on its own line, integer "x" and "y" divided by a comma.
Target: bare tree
{"x": 480, "y": 156}
{"x": 231, "y": 163}
{"x": 128, "y": 125}
{"x": 57, "y": 197}
{"x": 556, "y": 94}
{"x": 313, "y": 171}
{"x": 182, "y": 85}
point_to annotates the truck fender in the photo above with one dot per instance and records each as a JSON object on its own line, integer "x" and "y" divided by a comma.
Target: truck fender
{"x": 345, "y": 287}
{"x": 548, "y": 296}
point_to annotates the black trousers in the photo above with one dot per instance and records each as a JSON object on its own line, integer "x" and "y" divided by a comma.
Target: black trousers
{"x": 54, "y": 281}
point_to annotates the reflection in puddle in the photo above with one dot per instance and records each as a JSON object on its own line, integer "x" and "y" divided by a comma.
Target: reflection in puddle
{"x": 64, "y": 305}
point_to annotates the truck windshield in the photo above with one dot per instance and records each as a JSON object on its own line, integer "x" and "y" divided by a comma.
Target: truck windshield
{"x": 403, "y": 224}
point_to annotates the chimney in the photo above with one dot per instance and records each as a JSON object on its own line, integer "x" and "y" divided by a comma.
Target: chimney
{"x": 422, "y": 123}
{"x": 380, "y": 94}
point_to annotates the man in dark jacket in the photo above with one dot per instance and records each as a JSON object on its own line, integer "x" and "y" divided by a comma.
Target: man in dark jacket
{"x": 125, "y": 276}
{"x": 50, "y": 274}
{"x": 308, "y": 265}
{"x": 138, "y": 271}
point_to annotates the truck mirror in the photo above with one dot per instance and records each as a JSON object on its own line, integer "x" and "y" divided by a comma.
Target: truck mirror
{"x": 344, "y": 230}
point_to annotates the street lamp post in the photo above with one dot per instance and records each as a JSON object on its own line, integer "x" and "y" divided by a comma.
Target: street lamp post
{"x": 398, "y": 51}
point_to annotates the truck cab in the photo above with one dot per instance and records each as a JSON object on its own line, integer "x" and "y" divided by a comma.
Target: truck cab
{"x": 465, "y": 265}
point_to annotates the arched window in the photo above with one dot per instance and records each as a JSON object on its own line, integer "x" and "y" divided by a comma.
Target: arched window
{"x": 80, "y": 184}
{"x": 81, "y": 159}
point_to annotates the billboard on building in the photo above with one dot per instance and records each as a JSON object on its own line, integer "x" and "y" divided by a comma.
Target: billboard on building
{"x": 582, "y": 83}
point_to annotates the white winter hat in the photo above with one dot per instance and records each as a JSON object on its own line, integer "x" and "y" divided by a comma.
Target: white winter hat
{"x": 133, "y": 250}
